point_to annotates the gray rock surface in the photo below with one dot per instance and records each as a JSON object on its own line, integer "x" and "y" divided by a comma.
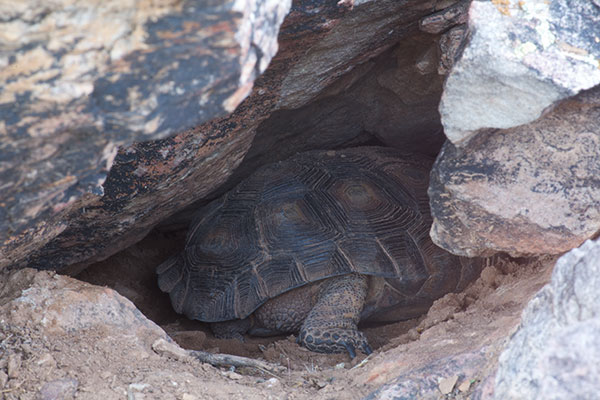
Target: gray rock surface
{"x": 554, "y": 354}
{"x": 531, "y": 189}
{"x": 522, "y": 57}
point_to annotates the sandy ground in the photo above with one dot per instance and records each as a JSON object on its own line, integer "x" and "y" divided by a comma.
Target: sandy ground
{"x": 461, "y": 337}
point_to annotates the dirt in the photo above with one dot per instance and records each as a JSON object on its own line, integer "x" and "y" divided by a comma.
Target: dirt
{"x": 106, "y": 360}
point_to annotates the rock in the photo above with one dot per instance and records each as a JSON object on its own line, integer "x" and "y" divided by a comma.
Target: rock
{"x": 446, "y": 385}
{"x": 80, "y": 79}
{"x": 3, "y": 379}
{"x": 441, "y": 21}
{"x": 14, "y": 365}
{"x": 465, "y": 386}
{"x": 554, "y": 354}
{"x": 70, "y": 224}
{"x": 451, "y": 44}
{"x": 232, "y": 375}
{"x": 522, "y": 57}
{"x": 532, "y": 189}
{"x": 61, "y": 305}
{"x": 131, "y": 70}
{"x": 170, "y": 349}
{"x": 60, "y": 389}
{"x": 272, "y": 382}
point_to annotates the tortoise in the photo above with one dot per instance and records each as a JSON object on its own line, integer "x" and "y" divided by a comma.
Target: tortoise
{"x": 313, "y": 245}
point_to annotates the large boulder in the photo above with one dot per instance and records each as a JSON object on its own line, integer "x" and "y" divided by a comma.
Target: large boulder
{"x": 554, "y": 354}
{"x": 521, "y": 58}
{"x": 531, "y": 189}
{"x": 80, "y": 79}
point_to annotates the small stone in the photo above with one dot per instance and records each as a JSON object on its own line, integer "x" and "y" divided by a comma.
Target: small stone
{"x": 46, "y": 360}
{"x": 446, "y": 385}
{"x": 164, "y": 348}
{"x": 3, "y": 379}
{"x": 232, "y": 375}
{"x": 60, "y": 389}
{"x": 138, "y": 386}
{"x": 187, "y": 396}
{"x": 465, "y": 386}
{"x": 320, "y": 383}
{"x": 14, "y": 365}
{"x": 488, "y": 276}
{"x": 340, "y": 366}
{"x": 272, "y": 382}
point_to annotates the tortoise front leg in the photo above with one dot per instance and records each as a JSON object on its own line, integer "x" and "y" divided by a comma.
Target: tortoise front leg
{"x": 331, "y": 326}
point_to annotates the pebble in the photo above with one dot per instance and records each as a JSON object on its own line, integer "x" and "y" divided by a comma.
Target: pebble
{"x": 3, "y": 379}
{"x": 320, "y": 383}
{"x": 446, "y": 385}
{"x": 340, "y": 366}
{"x": 232, "y": 375}
{"x": 46, "y": 359}
{"x": 272, "y": 382}
{"x": 14, "y": 365}
{"x": 105, "y": 375}
{"x": 138, "y": 386}
{"x": 465, "y": 386}
{"x": 60, "y": 389}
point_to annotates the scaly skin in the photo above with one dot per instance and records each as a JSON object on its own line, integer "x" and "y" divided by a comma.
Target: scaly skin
{"x": 331, "y": 325}
{"x": 326, "y": 313}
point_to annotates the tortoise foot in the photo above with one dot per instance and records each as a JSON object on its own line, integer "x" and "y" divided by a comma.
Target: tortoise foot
{"x": 334, "y": 340}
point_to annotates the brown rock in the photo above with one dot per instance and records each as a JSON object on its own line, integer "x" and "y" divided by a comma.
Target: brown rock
{"x": 79, "y": 80}
{"x": 441, "y": 21}
{"x": 60, "y": 389}
{"x": 3, "y": 379}
{"x": 451, "y": 43}
{"x": 61, "y": 305}
{"x": 527, "y": 190}
{"x": 446, "y": 385}
{"x": 14, "y": 365}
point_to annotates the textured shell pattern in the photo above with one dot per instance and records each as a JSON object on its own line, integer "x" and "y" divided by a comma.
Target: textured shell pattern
{"x": 316, "y": 215}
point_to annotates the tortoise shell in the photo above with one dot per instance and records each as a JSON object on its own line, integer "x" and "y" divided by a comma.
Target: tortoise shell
{"x": 317, "y": 215}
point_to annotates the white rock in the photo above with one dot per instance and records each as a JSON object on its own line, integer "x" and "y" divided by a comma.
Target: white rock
{"x": 522, "y": 57}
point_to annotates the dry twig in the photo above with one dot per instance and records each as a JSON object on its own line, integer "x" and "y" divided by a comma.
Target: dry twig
{"x": 163, "y": 347}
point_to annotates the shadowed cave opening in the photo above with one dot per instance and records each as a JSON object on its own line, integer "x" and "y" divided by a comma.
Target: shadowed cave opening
{"x": 390, "y": 100}
{"x": 131, "y": 272}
